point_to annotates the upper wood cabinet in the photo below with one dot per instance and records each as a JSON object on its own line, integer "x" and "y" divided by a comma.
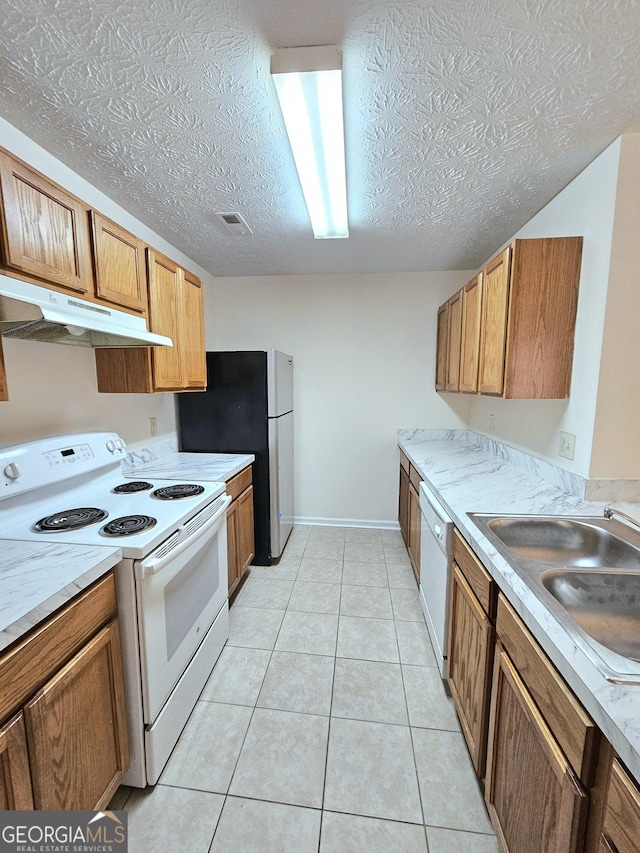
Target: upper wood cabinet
{"x": 119, "y": 265}
{"x": 166, "y": 312}
{"x": 494, "y": 324}
{"x": 453, "y": 342}
{"x": 528, "y": 299}
{"x": 194, "y": 357}
{"x": 470, "y": 341}
{"x": 442, "y": 347}
{"x": 176, "y": 309}
{"x": 45, "y": 231}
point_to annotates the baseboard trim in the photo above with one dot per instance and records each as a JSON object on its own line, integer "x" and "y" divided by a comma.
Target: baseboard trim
{"x": 347, "y": 522}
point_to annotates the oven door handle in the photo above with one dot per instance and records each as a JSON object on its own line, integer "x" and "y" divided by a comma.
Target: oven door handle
{"x": 152, "y": 565}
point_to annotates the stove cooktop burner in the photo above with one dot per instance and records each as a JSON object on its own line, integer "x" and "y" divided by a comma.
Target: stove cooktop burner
{"x": 128, "y": 524}
{"x": 70, "y": 519}
{"x": 131, "y": 487}
{"x": 180, "y": 490}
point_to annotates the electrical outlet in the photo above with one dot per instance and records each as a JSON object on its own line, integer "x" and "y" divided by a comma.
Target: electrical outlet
{"x": 153, "y": 426}
{"x": 567, "y": 445}
{"x": 492, "y": 423}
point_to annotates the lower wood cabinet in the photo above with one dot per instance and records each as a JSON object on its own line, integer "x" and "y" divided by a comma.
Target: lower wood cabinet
{"x": 15, "y": 776}
{"x": 552, "y": 782}
{"x": 620, "y": 831}
{"x": 470, "y": 649}
{"x": 65, "y": 742}
{"x": 409, "y": 515}
{"x": 240, "y": 535}
{"x": 535, "y": 800}
{"x": 4, "y": 390}
{"x": 542, "y": 749}
{"x": 403, "y": 498}
{"x": 67, "y": 766}
{"x": 415, "y": 529}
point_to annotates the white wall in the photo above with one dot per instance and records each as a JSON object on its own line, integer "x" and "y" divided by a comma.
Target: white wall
{"x": 585, "y": 207}
{"x": 616, "y": 448}
{"x": 364, "y": 349}
{"x": 52, "y": 388}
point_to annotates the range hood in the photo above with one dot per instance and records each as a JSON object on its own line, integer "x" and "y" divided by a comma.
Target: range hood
{"x": 31, "y": 312}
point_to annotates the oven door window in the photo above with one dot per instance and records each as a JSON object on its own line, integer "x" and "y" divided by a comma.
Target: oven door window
{"x": 176, "y": 607}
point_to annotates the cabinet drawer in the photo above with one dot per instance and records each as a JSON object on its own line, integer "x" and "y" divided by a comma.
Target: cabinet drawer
{"x": 34, "y": 660}
{"x": 480, "y": 581}
{"x": 572, "y": 727}
{"x": 404, "y": 462}
{"x": 622, "y": 817}
{"x": 236, "y": 485}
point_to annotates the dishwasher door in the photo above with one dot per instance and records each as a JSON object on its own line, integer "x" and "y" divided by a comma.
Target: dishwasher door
{"x": 435, "y": 558}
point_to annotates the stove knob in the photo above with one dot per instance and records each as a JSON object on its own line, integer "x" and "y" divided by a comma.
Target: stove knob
{"x": 111, "y": 446}
{"x": 11, "y": 471}
{"x": 119, "y": 444}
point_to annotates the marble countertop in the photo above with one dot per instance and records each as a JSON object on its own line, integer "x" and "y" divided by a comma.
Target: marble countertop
{"x": 162, "y": 460}
{"x": 38, "y": 578}
{"x": 489, "y": 477}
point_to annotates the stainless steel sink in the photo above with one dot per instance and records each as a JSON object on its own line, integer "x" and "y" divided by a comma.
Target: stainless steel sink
{"x": 605, "y": 604}
{"x": 564, "y": 541}
{"x": 586, "y": 570}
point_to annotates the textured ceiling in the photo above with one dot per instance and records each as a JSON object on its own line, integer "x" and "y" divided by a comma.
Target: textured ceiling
{"x": 463, "y": 117}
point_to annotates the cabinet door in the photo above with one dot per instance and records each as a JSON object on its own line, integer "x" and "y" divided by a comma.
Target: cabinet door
{"x": 470, "y": 343}
{"x": 4, "y": 389}
{"x": 192, "y": 334}
{"x": 415, "y": 523}
{"x": 470, "y": 658}
{"x": 165, "y": 311}
{"x": 45, "y": 230}
{"x": 233, "y": 573}
{"x": 493, "y": 337}
{"x": 246, "y": 548}
{"x": 403, "y": 505}
{"x": 15, "y": 779}
{"x": 621, "y": 828}
{"x": 76, "y": 729}
{"x": 535, "y": 800}
{"x": 120, "y": 273}
{"x": 453, "y": 344}
{"x": 442, "y": 347}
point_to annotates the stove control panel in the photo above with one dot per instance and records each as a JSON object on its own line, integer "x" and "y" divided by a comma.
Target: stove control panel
{"x": 46, "y": 461}
{"x": 68, "y": 455}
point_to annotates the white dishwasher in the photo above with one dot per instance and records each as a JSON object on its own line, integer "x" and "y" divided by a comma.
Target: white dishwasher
{"x": 436, "y": 543}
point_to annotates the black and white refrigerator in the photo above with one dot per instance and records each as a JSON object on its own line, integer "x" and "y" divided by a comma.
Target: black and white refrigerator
{"x": 248, "y": 408}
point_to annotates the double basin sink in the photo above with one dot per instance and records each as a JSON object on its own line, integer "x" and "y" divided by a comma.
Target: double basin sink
{"x": 587, "y": 572}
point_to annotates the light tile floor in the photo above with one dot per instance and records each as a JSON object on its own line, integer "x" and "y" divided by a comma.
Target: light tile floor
{"x": 324, "y": 727}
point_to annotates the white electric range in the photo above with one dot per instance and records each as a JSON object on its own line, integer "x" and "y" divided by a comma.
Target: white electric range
{"x": 171, "y": 584}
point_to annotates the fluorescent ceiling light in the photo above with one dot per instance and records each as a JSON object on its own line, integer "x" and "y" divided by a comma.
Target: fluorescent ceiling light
{"x": 308, "y": 83}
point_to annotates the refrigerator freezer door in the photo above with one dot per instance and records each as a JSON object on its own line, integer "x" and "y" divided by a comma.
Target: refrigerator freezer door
{"x": 281, "y": 481}
{"x": 280, "y": 377}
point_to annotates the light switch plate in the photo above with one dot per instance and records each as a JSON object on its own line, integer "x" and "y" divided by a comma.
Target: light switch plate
{"x": 567, "y": 445}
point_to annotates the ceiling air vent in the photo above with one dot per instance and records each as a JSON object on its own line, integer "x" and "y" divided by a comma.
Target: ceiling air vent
{"x": 234, "y": 223}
